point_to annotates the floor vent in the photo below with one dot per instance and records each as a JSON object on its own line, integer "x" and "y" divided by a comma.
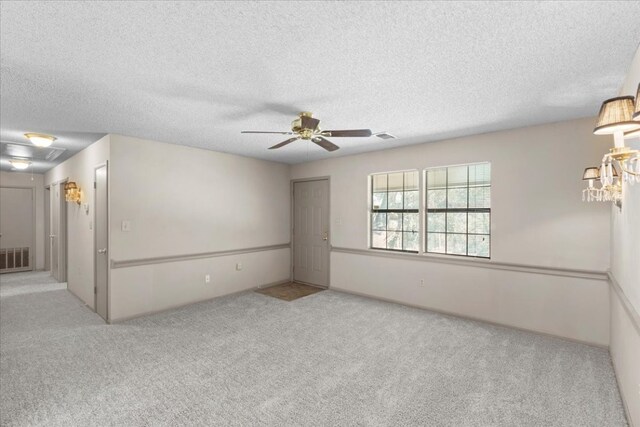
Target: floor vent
{"x": 14, "y": 259}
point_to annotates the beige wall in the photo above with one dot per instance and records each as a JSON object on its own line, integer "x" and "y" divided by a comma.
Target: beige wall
{"x": 80, "y": 168}
{"x": 180, "y": 201}
{"x": 625, "y": 268}
{"x": 35, "y": 181}
{"x": 538, "y": 218}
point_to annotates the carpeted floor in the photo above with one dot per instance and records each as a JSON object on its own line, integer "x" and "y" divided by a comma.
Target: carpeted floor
{"x": 327, "y": 359}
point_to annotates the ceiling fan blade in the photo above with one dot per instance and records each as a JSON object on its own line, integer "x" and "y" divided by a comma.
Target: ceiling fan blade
{"x": 325, "y": 143}
{"x": 262, "y": 131}
{"x": 283, "y": 143}
{"x": 347, "y": 133}
{"x": 309, "y": 122}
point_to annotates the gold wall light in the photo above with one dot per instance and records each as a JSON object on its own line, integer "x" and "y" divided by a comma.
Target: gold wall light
{"x": 72, "y": 192}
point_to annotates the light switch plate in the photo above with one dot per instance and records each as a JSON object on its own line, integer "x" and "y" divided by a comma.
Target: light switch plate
{"x": 239, "y": 266}
{"x": 126, "y": 225}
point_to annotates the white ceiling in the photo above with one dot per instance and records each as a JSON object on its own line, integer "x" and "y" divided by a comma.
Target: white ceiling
{"x": 197, "y": 73}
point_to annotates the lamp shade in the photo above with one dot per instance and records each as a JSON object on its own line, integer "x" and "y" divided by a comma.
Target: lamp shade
{"x": 591, "y": 173}
{"x": 616, "y": 114}
{"x": 636, "y": 114}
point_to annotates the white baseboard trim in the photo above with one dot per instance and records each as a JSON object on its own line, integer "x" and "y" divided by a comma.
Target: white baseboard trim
{"x": 465, "y": 317}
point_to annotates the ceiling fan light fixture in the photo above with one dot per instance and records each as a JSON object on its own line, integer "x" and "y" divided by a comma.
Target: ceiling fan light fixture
{"x": 40, "y": 139}
{"x": 20, "y": 164}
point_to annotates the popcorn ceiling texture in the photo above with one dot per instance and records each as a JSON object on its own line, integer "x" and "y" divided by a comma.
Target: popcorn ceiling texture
{"x": 197, "y": 73}
{"x": 327, "y": 359}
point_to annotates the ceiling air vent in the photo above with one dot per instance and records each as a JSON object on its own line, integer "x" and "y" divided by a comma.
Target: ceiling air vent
{"x": 384, "y": 135}
{"x": 27, "y": 151}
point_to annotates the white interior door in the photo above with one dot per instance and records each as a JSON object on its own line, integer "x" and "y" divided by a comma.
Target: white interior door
{"x": 53, "y": 229}
{"x": 16, "y": 229}
{"x": 101, "y": 241}
{"x": 62, "y": 234}
{"x": 47, "y": 228}
{"x": 58, "y": 233}
{"x": 311, "y": 232}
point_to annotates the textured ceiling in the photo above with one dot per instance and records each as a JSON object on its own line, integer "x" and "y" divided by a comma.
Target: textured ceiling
{"x": 199, "y": 73}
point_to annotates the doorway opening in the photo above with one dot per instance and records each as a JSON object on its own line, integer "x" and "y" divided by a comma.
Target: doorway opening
{"x": 17, "y": 229}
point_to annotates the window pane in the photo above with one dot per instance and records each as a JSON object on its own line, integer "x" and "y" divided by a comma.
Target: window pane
{"x": 437, "y": 178}
{"x": 395, "y": 200}
{"x": 435, "y": 222}
{"x": 435, "y": 242}
{"x": 479, "y": 197}
{"x": 394, "y": 221}
{"x": 457, "y": 244}
{"x": 394, "y": 240}
{"x": 411, "y": 180}
{"x": 379, "y": 221}
{"x": 436, "y": 199}
{"x": 456, "y": 222}
{"x": 457, "y": 176}
{"x": 379, "y": 239}
{"x": 457, "y": 198}
{"x": 380, "y": 183}
{"x": 411, "y": 199}
{"x": 379, "y": 201}
{"x": 396, "y": 181}
{"x": 451, "y": 192}
{"x": 411, "y": 241}
{"x": 480, "y": 174}
{"x": 479, "y": 246}
{"x": 410, "y": 222}
{"x": 479, "y": 223}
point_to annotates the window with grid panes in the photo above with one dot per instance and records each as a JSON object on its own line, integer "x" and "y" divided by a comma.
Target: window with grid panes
{"x": 395, "y": 217}
{"x": 458, "y": 214}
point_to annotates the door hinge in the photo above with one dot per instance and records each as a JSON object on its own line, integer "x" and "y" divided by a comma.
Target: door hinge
{"x": 95, "y": 290}
{"x": 95, "y": 185}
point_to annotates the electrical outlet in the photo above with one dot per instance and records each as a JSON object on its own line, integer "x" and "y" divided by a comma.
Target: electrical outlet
{"x": 239, "y": 266}
{"x": 207, "y": 278}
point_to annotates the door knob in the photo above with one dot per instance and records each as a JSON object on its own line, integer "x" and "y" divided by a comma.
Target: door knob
{"x": 325, "y": 236}
{"x": 102, "y": 251}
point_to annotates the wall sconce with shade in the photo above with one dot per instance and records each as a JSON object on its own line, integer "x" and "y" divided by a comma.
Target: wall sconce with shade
{"x": 619, "y": 117}
{"x": 72, "y": 192}
{"x": 605, "y": 193}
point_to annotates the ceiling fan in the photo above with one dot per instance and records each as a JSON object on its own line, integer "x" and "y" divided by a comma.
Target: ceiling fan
{"x": 306, "y": 127}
